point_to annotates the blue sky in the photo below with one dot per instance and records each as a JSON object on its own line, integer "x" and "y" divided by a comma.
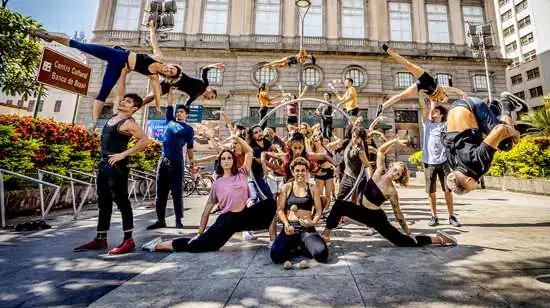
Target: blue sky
{"x": 64, "y": 16}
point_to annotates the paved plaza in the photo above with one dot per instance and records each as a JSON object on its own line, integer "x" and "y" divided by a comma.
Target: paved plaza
{"x": 503, "y": 260}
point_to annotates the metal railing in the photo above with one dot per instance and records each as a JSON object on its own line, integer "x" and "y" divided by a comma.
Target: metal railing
{"x": 143, "y": 175}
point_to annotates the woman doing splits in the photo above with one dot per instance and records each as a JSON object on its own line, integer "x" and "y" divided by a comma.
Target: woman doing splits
{"x": 378, "y": 189}
{"x": 230, "y": 192}
{"x": 303, "y": 57}
{"x": 118, "y": 59}
{"x": 425, "y": 82}
{"x": 295, "y": 207}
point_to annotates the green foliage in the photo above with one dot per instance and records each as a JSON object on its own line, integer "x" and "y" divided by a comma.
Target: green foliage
{"x": 19, "y": 55}
{"x": 17, "y": 154}
{"x": 528, "y": 159}
{"x": 147, "y": 159}
{"x": 539, "y": 122}
{"x": 416, "y": 159}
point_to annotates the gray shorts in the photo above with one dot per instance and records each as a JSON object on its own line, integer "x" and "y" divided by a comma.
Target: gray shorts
{"x": 432, "y": 172}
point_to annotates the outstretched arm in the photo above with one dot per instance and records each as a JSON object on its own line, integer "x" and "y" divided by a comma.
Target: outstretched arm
{"x": 157, "y": 91}
{"x": 394, "y": 200}
{"x": 278, "y": 63}
{"x": 157, "y": 53}
{"x": 381, "y": 156}
{"x": 121, "y": 91}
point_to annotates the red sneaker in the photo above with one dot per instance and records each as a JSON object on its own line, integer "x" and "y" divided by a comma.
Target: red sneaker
{"x": 95, "y": 244}
{"x": 125, "y": 247}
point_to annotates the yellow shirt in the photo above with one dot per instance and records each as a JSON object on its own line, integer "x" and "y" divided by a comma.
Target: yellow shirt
{"x": 351, "y": 102}
{"x": 263, "y": 99}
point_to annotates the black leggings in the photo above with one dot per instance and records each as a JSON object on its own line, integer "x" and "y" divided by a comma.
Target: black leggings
{"x": 169, "y": 178}
{"x": 326, "y": 128}
{"x": 375, "y": 219}
{"x": 256, "y": 217}
{"x": 112, "y": 181}
{"x": 263, "y": 112}
{"x": 306, "y": 238}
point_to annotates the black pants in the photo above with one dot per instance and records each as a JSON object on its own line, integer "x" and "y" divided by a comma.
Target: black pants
{"x": 112, "y": 181}
{"x": 375, "y": 219}
{"x": 256, "y": 217}
{"x": 263, "y": 112}
{"x": 306, "y": 238}
{"x": 346, "y": 185}
{"x": 326, "y": 128}
{"x": 169, "y": 178}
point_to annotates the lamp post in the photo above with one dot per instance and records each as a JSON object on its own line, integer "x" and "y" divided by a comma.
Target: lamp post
{"x": 302, "y": 7}
{"x": 479, "y": 39}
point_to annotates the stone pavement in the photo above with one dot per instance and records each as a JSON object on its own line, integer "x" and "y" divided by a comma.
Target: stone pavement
{"x": 503, "y": 260}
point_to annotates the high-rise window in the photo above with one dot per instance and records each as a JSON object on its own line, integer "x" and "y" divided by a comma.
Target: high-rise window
{"x": 506, "y": 15}
{"x": 473, "y": 15}
{"x": 509, "y": 31}
{"x": 179, "y": 18}
{"x": 524, "y": 22}
{"x": 535, "y": 92}
{"x": 516, "y": 79}
{"x": 267, "y": 17}
{"x": 400, "y": 21}
{"x": 438, "y": 23}
{"x": 511, "y": 47}
{"x": 530, "y": 56}
{"x": 313, "y": 23}
{"x": 520, "y": 94}
{"x": 503, "y": 2}
{"x": 480, "y": 82}
{"x": 353, "y": 18}
{"x": 127, "y": 15}
{"x": 215, "y": 17}
{"x": 521, "y": 6}
{"x": 57, "y": 106}
{"x": 533, "y": 73}
{"x": 526, "y": 39}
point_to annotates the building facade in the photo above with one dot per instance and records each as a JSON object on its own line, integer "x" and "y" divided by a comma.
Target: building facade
{"x": 523, "y": 28}
{"x": 58, "y": 105}
{"x": 344, "y": 35}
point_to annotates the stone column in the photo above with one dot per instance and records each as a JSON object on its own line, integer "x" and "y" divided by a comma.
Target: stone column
{"x": 372, "y": 20}
{"x": 382, "y": 20}
{"x": 289, "y": 18}
{"x": 456, "y": 22}
{"x": 419, "y": 22}
{"x": 193, "y": 21}
{"x": 332, "y": 25}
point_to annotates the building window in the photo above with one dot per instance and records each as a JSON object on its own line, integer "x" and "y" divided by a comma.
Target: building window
{"x": 524, "y": 22}
{"x": 506, "y": 15}
{"x": 515, "y": 62}
{"x": 20, "y": 103}
{"x": 443, "y": 79}
{"x": 406, "y": 116}
{"x": 312, "y": 76}
{"x": 9, "y": 102}
{"x": 400, "y": 21}
{"x": 530, "y": 56}
{"x": 521, "y": 6}
{"x": 215, "y": 17}
{"x": 526, "y": 39}
{"x": 127, "y": 14}
{"x": 509, "y": 31}
{"x": 40, "y": 106}
{"x": 535, "y": 92}
{"x": 520, "y": 94}
{"x": 503, "y": 2}
{"x": 480, "y": 82}
{"x": 516, "y": 79}
{"x": 267, "y": 17}
{"x": 265, "y": 75}
{"x": 179, "y": 18}
{"x": 57, "y": 106}
{"x": 403, "y": 80}
{"x": 313, "y": 23}
{"x": 353, "y": 18}
{"x": 30, "y": 108}
{"x": 357, "y": 74}
{"x": 211, "y": 113}
{"x": 511, "y": 47}
{"x": 214, "y": 76}
{"x": 473, "y": 15}
{"x": 438, "y": 23}
{"x": 533, "y": 74}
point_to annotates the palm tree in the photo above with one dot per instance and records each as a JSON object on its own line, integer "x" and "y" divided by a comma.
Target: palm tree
{"x": 538, "y": 121}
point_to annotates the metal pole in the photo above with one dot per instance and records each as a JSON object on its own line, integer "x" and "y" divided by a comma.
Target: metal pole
{"x": 482, "y": 38}
{"x": 76, "y": 108}
{"x": 2, "y": 205}
{"x": 38, "y": 97}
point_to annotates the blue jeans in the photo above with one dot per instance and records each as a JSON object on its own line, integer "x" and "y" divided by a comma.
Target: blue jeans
{"x": 116, "y": 61}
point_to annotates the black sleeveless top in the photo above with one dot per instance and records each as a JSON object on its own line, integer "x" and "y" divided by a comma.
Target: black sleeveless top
{"x": 113, "y": 141}
{"x": 372, "y": 193}
{"x": 142, "y": 64}
{"x": 303, "y": 203}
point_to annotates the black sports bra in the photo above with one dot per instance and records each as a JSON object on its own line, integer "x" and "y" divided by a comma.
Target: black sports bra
{"x": 142, "y": 64}
{"x": 303, "y": 203}
{"x": 372, "y": 193}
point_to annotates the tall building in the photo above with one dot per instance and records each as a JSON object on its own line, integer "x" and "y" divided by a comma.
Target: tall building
{"x": 345, "y": 36}
{"x": 523, "y": 28}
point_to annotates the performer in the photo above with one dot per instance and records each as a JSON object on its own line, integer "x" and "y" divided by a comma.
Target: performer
{"x": 302, "y": 57}
{"x": 349, "y": 99}
{"x": 171, "y": 165}
{"x": 118, "y": 59}
{"x": 296, "y": 205}
{"x": 265, "y": 102}
{"x": 112, "y": 180}
{"x": 325, "y": 113}
{"x": 378, "y": 189}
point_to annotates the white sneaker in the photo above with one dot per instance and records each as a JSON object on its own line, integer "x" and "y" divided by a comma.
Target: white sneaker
{"x": 150, "y": 246}
{"x": 249, "y": 236}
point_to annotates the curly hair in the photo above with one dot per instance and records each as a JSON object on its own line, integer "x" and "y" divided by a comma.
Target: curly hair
{"x": 403, "y": 180}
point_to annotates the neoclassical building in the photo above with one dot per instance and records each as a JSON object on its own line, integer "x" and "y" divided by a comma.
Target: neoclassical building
{"x": 344, "y": 35}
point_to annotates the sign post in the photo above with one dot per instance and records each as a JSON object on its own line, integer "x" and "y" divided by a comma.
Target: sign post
{"x": 64, "y": 73}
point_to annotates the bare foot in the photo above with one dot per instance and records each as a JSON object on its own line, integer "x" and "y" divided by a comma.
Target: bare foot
{"x": 287, "y": 265}
{"x": 303, "y": 264}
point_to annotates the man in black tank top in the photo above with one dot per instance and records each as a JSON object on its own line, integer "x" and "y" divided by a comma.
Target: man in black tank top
{"x": 112, "y": 179}
{"x": 193, "y": 87}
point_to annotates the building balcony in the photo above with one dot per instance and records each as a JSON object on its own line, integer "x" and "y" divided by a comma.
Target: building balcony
{"x": 281, "y": 43}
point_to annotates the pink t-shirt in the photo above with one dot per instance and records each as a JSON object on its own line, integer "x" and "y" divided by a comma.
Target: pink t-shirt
{"x": 230, "y": 191}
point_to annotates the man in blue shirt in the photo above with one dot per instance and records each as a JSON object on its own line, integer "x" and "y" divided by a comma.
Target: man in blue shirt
{"x": 177, "y": 134}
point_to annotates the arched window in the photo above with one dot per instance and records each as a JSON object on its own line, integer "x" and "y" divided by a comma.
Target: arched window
{"x": 312, "y": 76}
{"x": 265, "y": 75}
{"x": 357, "y": 74}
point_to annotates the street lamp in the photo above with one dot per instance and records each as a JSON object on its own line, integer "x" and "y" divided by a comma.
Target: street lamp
{"x": 302, "y": 7}
{"x": 479, "y": 39}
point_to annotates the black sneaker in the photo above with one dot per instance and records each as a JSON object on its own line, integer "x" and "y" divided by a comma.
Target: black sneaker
{"x": 157, "y": 225}
{"x": 434, "y": 221}
{"x": 385, "y": 47}
{"x": 454, "y": 221}
{"x": 179, "y": 225}
{"x": 518, "y": 104}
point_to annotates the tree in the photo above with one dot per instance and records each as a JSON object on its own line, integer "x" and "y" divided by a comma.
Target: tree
{"x": 538, "y": 120}
{"x": 19, "y": 55}
{"x": 81, "y": 37}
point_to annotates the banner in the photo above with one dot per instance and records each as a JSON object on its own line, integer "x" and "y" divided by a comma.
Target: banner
{"x": 155, "y": 129}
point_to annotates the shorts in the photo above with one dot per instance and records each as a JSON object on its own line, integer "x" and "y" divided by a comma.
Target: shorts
{"x": 292, "y": 60}
{"x": 275, "y": 183}
{"x": 427, "y": 83}
{"x": 432, "y": 172}
{"x": 292, "y": 120}
{"x": 329, "y": 174}
{"x": 353, "y": 112}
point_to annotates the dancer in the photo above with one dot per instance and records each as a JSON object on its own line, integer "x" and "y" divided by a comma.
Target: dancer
{"x": 230, "y": 192}
{"x": 355, "y": 158}
{"x": 302, "y": 57}
{"x": 378, "y": 189}
{"x": 324, "y": 177}
{"x": 117, "y": 59}
{"x": 295, "y": 207}
{"x": 325, "y": 113}
{"x": 171, "y": 165}
{"x": 349, "y": 99}
{"x": 297, "y": 148}
{"x": 265, "y": 102}
{"x": 425, "y": 82}
{"x": 112, "y": 179}
{"x": 469, "y": 154}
